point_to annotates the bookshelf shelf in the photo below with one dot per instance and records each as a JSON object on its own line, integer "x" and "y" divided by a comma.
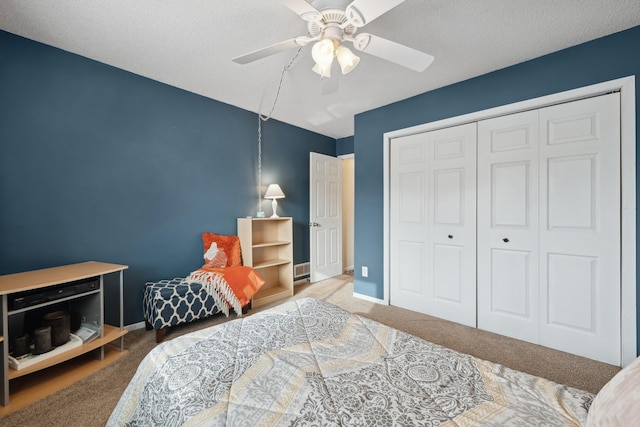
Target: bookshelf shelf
{"x": 267, "y": 246}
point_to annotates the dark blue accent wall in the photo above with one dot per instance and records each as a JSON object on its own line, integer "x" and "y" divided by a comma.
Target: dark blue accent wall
{"x": 100, "y": 164}
{"x": 604, "y": 59}
{"x": 344, "y": 146}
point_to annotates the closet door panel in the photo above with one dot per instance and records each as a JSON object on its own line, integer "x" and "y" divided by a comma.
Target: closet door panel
{"x": 447, "y": 273}
{"x": 448, "y": 196}
{"x": 510, "y": 283}
{"x": 411, "y": 257}
{"x": 510, "y": 195}
{"x": 432, "y": 226}
{"x": 508, "y": 225}
{"x": 451, "y": 286}
{"x": 571, "y": 283}
{"x": 580, "y": 228}
{"x": 448, "y": 258}
{"x": 572, "y": 193}
{"x": 408, "y": 227}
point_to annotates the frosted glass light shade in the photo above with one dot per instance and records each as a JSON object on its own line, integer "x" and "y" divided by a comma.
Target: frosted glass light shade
{"x": 324, "y": 71}
{"x": 322, "y": 52}
{"x": 346, "y": 59}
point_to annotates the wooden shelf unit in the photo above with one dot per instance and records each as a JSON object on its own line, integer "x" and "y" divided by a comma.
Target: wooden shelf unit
{"x": 267, "y": 246}
{"x": 91, "y": 302}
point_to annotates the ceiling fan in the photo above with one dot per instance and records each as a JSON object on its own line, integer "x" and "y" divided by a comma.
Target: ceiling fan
{"x": 330, "y": 23}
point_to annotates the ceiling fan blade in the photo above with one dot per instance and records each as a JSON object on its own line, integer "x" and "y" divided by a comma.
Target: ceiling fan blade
{"x": 303, "y": 9}
{"x": 393, "y": 52}
{"x": 361, "y": 12}
{"x": 272, "y": 50}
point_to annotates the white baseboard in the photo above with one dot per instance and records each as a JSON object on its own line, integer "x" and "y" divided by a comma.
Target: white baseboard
{"x": 370, "y": 299}
{"x": 134, "y": 326}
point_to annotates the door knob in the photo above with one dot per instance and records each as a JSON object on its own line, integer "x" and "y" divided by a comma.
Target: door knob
{"x": 314, "y": 224}
{"x": 450, "y": 236}
{"x": 505, "y": 240}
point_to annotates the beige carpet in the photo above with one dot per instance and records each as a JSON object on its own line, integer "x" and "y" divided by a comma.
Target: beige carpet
{"x": 90, "y": 401}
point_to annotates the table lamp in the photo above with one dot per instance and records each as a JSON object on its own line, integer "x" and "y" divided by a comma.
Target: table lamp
{"x": 274, "y": 192}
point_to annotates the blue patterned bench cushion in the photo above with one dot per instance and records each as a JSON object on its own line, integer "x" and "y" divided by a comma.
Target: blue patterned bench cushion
{"x": 172, "y": 302}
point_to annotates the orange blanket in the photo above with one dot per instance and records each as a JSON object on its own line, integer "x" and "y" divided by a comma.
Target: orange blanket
{"x": 235, "y": 284}
{"x": 244, "y": 281}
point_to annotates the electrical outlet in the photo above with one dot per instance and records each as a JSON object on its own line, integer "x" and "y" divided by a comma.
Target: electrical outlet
{"x": 365, "y": 271}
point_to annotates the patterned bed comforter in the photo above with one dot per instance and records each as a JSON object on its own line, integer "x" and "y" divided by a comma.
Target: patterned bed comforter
{"x": 310, "y": 363}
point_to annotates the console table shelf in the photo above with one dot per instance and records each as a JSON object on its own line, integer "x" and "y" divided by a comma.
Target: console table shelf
{"x": 88, "y": 301}
{"x": 111, "y": 333}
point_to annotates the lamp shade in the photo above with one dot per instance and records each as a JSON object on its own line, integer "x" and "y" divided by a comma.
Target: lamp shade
{"x": 346, "y": 59}
{"x": 274, "y": 192}
{"x": 324, "y": 71}
{"x": 322, "y": 52}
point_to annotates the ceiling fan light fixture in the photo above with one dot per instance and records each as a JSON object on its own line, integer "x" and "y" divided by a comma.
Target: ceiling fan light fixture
{"x": 322, "y": 52}
{"x": 333, "y": 22}
{"x": 346, "y": 59}
{"x": 324, "y": 71}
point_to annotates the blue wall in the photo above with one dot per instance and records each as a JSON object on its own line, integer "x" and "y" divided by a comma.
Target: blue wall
{"x": 600, "y": 60}
{"x": 344, "y": 146}
{"x": 100, "y": 164}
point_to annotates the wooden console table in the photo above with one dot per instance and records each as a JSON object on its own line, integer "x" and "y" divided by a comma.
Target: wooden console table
{"x": 90, "y": 303}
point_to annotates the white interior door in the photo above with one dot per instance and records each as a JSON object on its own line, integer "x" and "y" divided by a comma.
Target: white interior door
{"x": 325, "y": 222}
{"x": 580, "y": 230}
{"x": 508, "y": 225}
{"x": 433, "y": 260}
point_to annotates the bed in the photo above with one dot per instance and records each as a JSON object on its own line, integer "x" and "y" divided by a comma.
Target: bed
{"x": 310, "y": 363}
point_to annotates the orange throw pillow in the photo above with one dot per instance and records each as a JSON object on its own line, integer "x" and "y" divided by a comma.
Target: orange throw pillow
{"x": 230, "y": 245}
{"x": 215, "y": 257}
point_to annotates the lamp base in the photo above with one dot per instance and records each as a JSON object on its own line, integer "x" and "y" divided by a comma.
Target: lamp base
{"x": 274, "y": 206}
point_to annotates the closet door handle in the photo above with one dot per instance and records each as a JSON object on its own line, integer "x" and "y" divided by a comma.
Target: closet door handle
{"x": 450, "y": 236}
{"x": 505, "y": 240}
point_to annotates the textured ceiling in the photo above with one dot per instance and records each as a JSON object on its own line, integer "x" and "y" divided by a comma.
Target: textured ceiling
{"x": 189, "y": 44}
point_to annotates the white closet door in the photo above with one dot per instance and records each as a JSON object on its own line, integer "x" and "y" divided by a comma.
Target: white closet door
{"x": 580, "y": 228}
{"x": 549, "y": 227}
{"x": 508, "y": 225}
{"x": 451, "y": 284}
{"x": 433, "y": 223}
{"x": 408, "y": 222}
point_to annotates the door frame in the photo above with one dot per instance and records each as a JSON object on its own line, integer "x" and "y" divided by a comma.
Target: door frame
{"x": 350, "y": 156}
{"x": 626, "y": 87}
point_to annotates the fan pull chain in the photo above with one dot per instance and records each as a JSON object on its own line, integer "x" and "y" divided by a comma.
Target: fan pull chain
{"x": 259, "y": 163}
{"x": 284, "y": 69}
{"x": 262, "y": 118}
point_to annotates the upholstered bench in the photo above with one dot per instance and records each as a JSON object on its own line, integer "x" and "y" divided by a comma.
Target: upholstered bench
{"x": 171, "y": 302}
{"x": 230, "y": 285}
